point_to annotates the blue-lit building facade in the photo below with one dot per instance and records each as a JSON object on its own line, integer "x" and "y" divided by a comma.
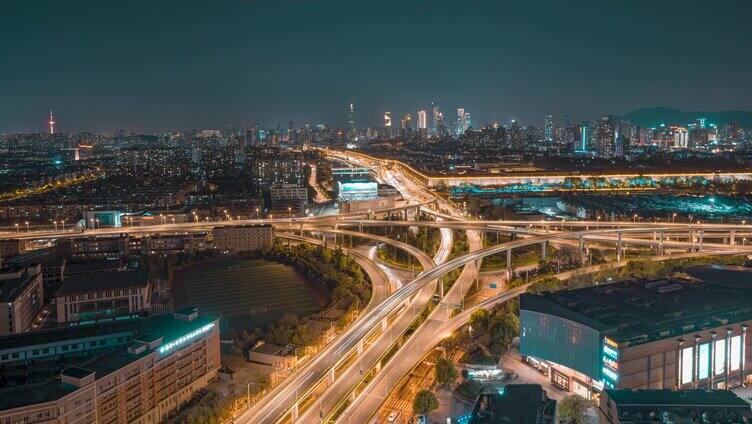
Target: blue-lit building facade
{"x": 355, "y": 184}
{"x": 642, "y": 334}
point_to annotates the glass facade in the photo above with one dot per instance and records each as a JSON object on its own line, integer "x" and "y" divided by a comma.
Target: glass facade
{"x": 719, "y": 357}
{"x": 687, "y": 364}
{"x": 703, "y": 359}
{"x": 543, "y": 336}
{"x": 735, "y": 355}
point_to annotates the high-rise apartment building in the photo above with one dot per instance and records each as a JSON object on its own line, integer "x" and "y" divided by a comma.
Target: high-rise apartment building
{"x": 422, "y": 120}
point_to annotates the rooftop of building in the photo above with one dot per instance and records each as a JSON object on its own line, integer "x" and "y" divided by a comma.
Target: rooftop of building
{"x": 15, "y": 281}
{"x": 650, "y": 406}
{"x": 273, "y": 349}
{"x": 637, "y": 311}
{"x": 109, "y": 280}
{"x": 664, "y": 397}
{"x": 514, "y": 403}
{"x": 48, "y": 256}
{"x": 94, "y": 265}
{"x": 47, "y": 385}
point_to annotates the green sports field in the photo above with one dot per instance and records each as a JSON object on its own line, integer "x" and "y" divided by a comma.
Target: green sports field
{"x": 246, "y": 292}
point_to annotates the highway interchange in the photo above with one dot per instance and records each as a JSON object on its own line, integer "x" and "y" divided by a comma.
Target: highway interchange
{"x": 332, "y": 385}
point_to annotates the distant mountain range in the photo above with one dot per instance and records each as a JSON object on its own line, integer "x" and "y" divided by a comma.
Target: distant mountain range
{"x": 655, "y": 116}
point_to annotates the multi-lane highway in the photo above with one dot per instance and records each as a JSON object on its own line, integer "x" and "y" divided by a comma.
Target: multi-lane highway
{"x": 317, "y": 389}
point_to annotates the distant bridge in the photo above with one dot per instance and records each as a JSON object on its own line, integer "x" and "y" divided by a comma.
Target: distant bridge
{"x": 547, "y": 181}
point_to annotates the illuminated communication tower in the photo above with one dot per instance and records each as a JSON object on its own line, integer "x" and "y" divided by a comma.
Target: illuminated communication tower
{"x": 52, "y": 123}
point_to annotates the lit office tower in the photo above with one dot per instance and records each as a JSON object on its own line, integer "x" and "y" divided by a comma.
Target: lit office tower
{"x": 581, "y": 143}
{"x": 422, "y": 120}
{"x": 52, "y": 123}
{"x": 463, "y": 121}
{"x": 548, "y": 131}
{"x": 406, "y": 121}
{"x": 605, "y": 137}
{"x": 388, "y": 119}
{"x": 351, "y": 116}
{"x": 438, "y": 120}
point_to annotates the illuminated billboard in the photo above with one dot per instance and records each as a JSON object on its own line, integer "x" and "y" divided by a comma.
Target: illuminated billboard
{"x": 358, "y": 190}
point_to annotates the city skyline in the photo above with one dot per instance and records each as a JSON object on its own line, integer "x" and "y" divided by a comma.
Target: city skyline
{"x": 107, "y": 67}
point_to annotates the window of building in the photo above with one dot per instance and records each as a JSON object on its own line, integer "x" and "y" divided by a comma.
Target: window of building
{"x": 736, "y": 353}
{"x": 719, "y": 356}
{"x": 687, "y": 357}
{"x": 703, "y": 367}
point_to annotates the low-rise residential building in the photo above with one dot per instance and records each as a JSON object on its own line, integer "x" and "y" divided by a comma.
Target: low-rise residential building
{"x": 127, "y": 371}
{"x": 643, "y": 334}
{"x": 103, "y": 295}
{"x": 100, "y": 247}
{"x": 289, "y": 194}
{"x": 278, "y": 361}
{"x": 10, "y": 248}
{"x": 674, "y": 406}
{"x": 240, "y": 238}
{"x": 351, "y": 206}
{"x": 174, "y": 243}
{"x": 21, "y": 297}
{"x": 386, "y": 190}
{"x": 52, "y": 259}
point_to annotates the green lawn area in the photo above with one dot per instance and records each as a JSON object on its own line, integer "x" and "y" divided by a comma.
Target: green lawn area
{"x": 246, "y": 292}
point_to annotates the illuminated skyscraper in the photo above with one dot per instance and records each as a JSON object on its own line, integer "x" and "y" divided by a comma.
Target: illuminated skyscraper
{"x": 388, "y": 119}
{"x": 548, "y": 131}
{"x": 406, "y": 121}
{"x": 351, "y": 117}
{"x": 52, "y": 123}
{"x": 581, "y": 143}
{"x": 605, "y": 137}
{"x": 422, "y": 120}
{"x": 437, "y": 126}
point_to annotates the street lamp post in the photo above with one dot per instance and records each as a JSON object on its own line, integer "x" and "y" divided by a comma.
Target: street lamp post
{"x": 28, "y": 229}
{"x": 17, "y": 229}
{"x": 55, "y": 222}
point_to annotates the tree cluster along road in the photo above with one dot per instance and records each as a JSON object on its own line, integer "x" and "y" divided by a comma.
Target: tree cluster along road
{"x": 349, "y": 378}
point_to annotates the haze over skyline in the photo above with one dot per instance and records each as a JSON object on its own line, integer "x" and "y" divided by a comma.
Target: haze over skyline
{"x": 109, "y": 65}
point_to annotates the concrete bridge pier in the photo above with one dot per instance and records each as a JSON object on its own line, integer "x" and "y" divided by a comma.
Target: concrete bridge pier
{"x": 583, "y": 256}
{"x": 544, "y": 245}
{"x": 660, "y": 243}
{"x": 619, "y": 247}
{"x": 701, "y": 234}
{"x": 732, "y": 237}
{"x": 509, "y": 264}
{"x": 330, "y": 374}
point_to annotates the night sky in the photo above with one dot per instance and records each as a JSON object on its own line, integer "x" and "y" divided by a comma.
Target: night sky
{"x": 153, "y": 65}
